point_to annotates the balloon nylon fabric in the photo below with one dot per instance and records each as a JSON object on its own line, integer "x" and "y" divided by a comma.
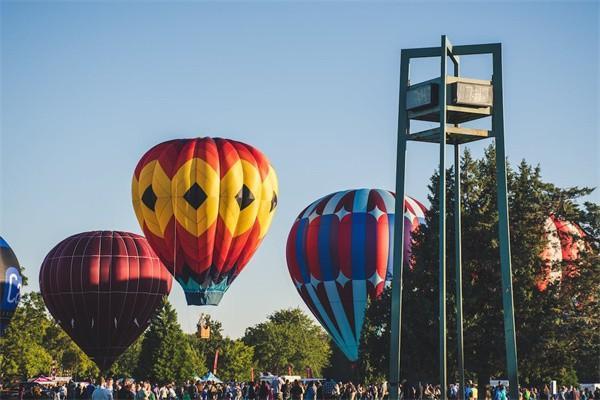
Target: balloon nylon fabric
{"x": 338, "y": 253}
{"x": 564, "y": 243}
{"x": 10, "y": 284}
{"x": 103, "y": 287}
{"x": 204, "y": 205}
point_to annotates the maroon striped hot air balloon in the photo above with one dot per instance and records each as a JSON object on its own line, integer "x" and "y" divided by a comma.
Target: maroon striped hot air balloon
{"x": 103, "y": 287}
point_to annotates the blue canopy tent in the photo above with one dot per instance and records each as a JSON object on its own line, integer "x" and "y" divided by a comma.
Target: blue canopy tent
{"x": 210, "y": 377}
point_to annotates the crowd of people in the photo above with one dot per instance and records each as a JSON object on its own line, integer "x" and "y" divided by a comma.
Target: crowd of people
{"x": 124, "y": 389}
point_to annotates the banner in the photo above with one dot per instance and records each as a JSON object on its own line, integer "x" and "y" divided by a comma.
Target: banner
{"x": 216, "y": 361}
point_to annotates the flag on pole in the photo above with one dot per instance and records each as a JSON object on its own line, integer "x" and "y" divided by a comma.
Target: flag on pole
{"x": 216, "y": 361}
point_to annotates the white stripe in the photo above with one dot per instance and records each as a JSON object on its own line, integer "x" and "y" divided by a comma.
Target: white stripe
{"x": 417, "y": 210}
{"x": 310, "y": 208}
{"x": 333, "y": 202}
{"x": 389, "y": 200}
{"x": 359, "y": 293}
{"x": 340, "y": 315}
{"x": 315, "y": 299}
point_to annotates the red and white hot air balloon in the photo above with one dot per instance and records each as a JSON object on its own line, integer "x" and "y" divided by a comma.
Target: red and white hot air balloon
{"x": 564, "y": 244}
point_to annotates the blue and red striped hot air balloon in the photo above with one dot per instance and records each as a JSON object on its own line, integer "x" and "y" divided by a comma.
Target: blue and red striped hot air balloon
{"x": 339, "y": 253}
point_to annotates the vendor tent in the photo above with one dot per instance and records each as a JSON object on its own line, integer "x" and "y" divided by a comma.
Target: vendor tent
{"x": 210, "y": 377}
{"x": 42, "y": 380}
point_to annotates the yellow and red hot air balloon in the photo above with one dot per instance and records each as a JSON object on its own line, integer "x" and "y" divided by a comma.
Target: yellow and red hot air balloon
{"x": 205, "y": 205}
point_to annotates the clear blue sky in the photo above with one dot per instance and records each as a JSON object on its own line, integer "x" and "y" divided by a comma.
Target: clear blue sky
{"x": 87, "y": 88}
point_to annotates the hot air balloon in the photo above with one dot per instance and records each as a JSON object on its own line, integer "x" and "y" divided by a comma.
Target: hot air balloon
{"x": 204, "y": 205}
{"x": 338, "y": 252}
{"x": 414, "y": 216}
{"x": 10, "y": 284}
{"x": 102, "y": 288}
{"x": 564, "y": 243}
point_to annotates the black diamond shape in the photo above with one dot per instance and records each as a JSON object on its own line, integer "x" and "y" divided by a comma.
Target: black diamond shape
{"x": 149, "y": 198}
{"x": 195, "y": 196}
{"x": 273, "y": 202}
{"x": 244, "y": 197}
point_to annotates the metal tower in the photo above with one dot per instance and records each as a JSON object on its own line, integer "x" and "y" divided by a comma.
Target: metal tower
{"x": 451, "y": 100}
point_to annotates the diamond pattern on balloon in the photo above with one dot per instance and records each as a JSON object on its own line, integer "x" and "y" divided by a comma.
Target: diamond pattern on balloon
{"x": 314, "y": 281}
{"x": 195, "y": 196}
{"x": 149, "y": 198}
{"x": 341, "y": 213}
{"x": 244, "y": 197}
{"x": 376, "y": 212}
{"x": 342, "y": 279}
{"x": 375, "y": 279}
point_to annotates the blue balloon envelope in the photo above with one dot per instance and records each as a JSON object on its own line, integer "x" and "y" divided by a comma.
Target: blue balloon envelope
{"x": 10, "y": 284}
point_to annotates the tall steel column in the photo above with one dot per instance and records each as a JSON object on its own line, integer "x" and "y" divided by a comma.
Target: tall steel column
{"x": 503, "y": 227}
{"x": 442, "y": 219}
{"x": 396, "y": 334}
{"x": 458, "y": 260}
{"x": 458, "y": 272}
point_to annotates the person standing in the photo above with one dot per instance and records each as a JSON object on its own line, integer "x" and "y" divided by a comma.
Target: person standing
{"x": 263, "y": 391}
{"x": 311, "y": 392}
{"x": 296, "y": 391}
{"x": 251, "y": 391}
{"x": 468, "y": 390}
{"x": 101, "y": 392}
{"x": 500, "y": 393}
{"x": 286, "y": 390}
{"x": 277, "y": 389}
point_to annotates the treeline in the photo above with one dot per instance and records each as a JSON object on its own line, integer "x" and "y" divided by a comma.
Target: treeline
{"x": 35, "y": 344}
{"x": 558, "y": 329}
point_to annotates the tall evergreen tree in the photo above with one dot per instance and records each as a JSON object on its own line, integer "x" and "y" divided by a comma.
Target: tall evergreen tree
{"x": 126, "y": 364}
{"x": 556, "y": 329}
{"x": 166, "y": 354}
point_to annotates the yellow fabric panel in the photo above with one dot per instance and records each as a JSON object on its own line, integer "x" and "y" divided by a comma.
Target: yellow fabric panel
{"x": 163, "y": 209}
{"x": 152, "y": 175}
{"x": 222, "y": 196}
{"x": 231, "y": 184}
{"x": 248, "y": 215}
{"x": 197, "y": 171}
{"x": 270, "y": 189}
{"x": 136, "y": 197}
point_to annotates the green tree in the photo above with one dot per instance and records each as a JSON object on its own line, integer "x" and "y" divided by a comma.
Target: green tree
{"x": 207, "y": 348}
{"x": 166, "y": 354}
{"x": 66, "y": 355}
{"x": 556, "y": 328}
{"x": 288, "y": 337}
{"x": 22, "y": 353}
{"x": 127, "y": 363}
{"x": 235, "y": 360}
{"x": 373, "y": 357}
